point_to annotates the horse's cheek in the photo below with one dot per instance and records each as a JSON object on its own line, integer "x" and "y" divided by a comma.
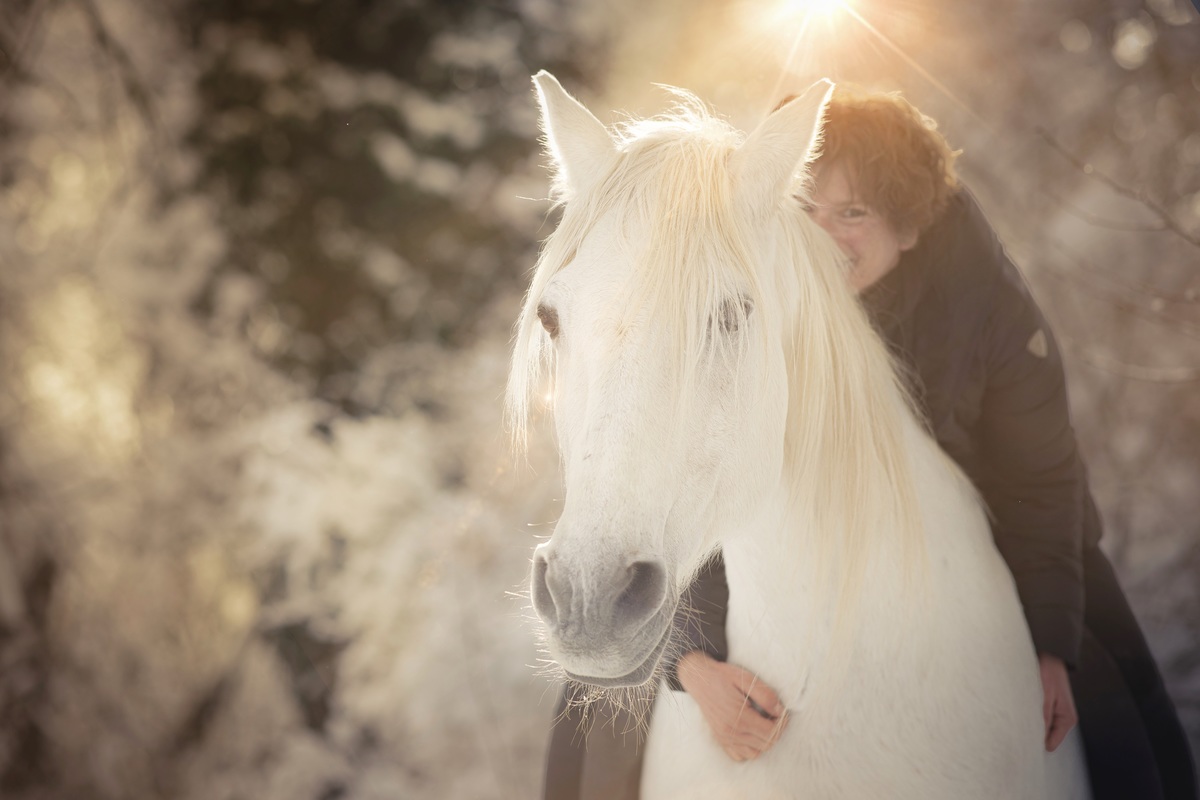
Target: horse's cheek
{"x": 758, "y": 434}
{"x": 570, "y": 398}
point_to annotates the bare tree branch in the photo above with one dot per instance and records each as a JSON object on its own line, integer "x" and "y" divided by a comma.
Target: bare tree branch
{"x": 132, "y": 82}
{"x": 1098, "y": 284}
{"x": 1102, "y": 222}
{"x": 15, "y": 46}
{"x": 1168, "y": 220}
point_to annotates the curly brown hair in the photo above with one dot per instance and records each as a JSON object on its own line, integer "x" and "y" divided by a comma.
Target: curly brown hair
{"x": 900, "y": 165}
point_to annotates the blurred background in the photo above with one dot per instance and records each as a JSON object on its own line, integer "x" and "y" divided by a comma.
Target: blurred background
{"x": 261, "y": 532}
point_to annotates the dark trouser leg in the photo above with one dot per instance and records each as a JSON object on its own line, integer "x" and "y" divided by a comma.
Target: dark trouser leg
{"x": 564, "y": 758}
{"x": 1115, "y": 631}
{"x": 612, "y": 769}
{"x": 593, "y": 755}
{"x": 1120, "y": 761}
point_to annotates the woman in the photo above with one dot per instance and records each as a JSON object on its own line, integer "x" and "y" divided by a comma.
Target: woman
{"x": 985, "y": 367}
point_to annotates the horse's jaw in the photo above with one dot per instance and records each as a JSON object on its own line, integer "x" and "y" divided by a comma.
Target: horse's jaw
{"x": 616, "y": 664}
{"x": 640, "y": 675}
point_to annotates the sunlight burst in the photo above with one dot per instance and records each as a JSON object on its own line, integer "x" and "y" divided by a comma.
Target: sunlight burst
{"x": 819, "y": 8}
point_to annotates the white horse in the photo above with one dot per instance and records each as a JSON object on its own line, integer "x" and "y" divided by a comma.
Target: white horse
{"x": 716, "y": 383}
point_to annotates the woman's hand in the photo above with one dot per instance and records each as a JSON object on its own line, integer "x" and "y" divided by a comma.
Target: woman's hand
{"x": 744, "y": 714}
{"x": 1058, "y": 705}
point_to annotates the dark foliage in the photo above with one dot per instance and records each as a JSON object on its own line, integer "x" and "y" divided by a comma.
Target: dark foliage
{"x": 314, "y": 166}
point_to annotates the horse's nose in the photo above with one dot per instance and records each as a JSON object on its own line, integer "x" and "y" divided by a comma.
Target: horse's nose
{"x": 546, "y": 600}
{"x": 604, "y": 607}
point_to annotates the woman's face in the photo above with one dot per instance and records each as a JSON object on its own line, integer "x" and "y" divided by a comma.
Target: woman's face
{"x": 870, "y": 241}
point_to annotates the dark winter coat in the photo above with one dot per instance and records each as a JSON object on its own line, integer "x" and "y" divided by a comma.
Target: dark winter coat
{"x": 988, "y": 373}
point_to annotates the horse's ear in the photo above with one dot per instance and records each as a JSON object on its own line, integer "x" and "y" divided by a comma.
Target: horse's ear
{"x": 578, "y": 142}
{"x": 766, "y": 163}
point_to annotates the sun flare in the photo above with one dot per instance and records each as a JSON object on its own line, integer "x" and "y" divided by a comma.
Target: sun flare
{"x": 792, "y": 9}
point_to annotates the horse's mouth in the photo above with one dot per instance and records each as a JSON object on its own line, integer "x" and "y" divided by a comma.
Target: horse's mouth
{"x": 638, "y": 676}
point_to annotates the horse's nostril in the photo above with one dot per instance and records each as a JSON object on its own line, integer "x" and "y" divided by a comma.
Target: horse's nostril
{"x": 572, "y": 610}
{"x": 645, "y": 592}
{"x": 543, "y": 599}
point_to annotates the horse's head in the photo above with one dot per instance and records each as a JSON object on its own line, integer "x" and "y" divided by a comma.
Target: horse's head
{"x": 667, "y": 333}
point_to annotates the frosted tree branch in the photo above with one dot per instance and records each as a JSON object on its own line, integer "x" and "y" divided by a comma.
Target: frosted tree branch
{"x": 1165, "y": 217}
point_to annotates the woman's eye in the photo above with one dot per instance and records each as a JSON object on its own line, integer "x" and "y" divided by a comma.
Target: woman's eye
{"x": 854, "y": 213}
{"x": 549, "y": 318}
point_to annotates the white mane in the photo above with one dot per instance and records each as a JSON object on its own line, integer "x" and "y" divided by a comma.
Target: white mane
{"x": 845, "y": 452}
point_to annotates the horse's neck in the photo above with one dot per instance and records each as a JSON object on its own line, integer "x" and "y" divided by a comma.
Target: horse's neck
{"x": 782, "y": 607}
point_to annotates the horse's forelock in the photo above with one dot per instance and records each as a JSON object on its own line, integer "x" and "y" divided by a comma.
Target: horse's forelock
{"x": 670, "y": 183}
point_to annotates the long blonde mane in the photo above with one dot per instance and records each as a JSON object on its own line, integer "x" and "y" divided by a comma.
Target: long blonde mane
{"x": 847, "y": 471}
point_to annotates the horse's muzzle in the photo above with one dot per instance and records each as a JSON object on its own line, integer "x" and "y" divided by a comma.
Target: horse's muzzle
{"x": 606, "y": 623}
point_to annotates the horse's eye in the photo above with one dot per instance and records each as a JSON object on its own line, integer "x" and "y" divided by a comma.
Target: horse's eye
{"x": 730, "y": 319}
{"x": 549, "y": 318}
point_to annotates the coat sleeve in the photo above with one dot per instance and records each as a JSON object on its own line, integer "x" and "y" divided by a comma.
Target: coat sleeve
{"x": 700, "y": 621}
{"x": 1032, "y": 477}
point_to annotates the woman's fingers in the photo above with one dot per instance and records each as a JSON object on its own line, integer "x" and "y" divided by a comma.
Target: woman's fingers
{"x": 750, "y": 692}
{"x": 741, "y": 752}
{"x": 750, "y": 722}
{"x": 761, "y": 697}
{"x": 748, "y": 733}
{"x": 764, "y": 701}
{"x": 1058, "y": 705}
{"x": 748, "y": 745}
{"x": 742, "y": 747}
{"x": 744, "y": 714}
{"x": 760, "y": 717}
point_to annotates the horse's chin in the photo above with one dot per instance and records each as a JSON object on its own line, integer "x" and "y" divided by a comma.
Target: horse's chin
{"x": 639, "y": 676}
